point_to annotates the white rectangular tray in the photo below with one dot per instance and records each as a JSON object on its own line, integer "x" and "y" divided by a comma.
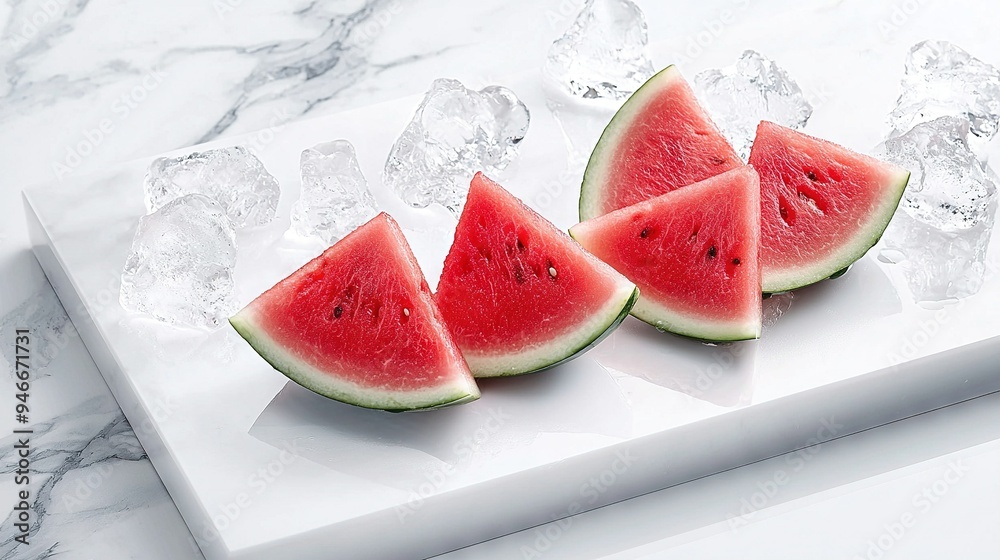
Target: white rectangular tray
{"x": 261, "y": 468}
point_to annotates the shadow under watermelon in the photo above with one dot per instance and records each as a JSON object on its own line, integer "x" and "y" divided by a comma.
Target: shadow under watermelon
{"x": 519, "y": 422}
{"x": 721, "y": 374}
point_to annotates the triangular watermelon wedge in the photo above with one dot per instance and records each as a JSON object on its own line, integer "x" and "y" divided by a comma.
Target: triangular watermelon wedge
{"x": 358, "y": 324}
{"x": 823, "y": 206}
{"x": 660, "y": 140}
{"x": 520, "y": 295}
{"x": 693, "y": 252}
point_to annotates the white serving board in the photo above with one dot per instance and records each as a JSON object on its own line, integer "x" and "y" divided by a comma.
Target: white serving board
{"x": 260, "y": 467}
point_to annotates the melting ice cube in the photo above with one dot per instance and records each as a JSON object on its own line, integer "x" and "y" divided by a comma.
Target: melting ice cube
{"x": 180, "y": 268}
{"x": 938, "y": 265}
{"x": 335, "y": 197}
{"x": 234, "y": 177}
{"x": 455, "y": 133}
{"x": 949, "y": 189}
{"x": 604, "y": 53}
{"x": 752, "y": 90}
{"x": 943, "y": 80}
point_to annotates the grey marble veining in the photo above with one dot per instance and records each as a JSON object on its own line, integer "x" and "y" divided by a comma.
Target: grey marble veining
{"x": 45, "y": 316}
{"x": 88, "y": 471}
{"x": 165, "y": 76}
{"x": 192, "y": 71}
{"x": 311, "y": 71}
{"x": 231, "y": 66}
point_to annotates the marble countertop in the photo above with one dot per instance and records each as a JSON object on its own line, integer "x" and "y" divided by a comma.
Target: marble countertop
{"x": 88, "y": 83}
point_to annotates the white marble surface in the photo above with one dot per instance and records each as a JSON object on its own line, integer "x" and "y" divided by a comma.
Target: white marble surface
{"x": 197, "y": 70}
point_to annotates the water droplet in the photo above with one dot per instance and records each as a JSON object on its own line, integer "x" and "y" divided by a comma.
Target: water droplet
{"x": 891, "y": 256}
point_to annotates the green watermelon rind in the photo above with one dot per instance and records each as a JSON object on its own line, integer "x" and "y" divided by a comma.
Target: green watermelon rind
{"x": 851, "y": 252}
{"x": 310, "y": 378}
{"x": 593, "y": 176}
{"x": 693, "y": 328}
{"x": 668, "y": 317}
{"x": 512, "y": 365}
{"x": 698, "y": 329}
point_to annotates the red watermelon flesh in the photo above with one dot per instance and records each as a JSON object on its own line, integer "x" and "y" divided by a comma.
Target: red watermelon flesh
{"x": 693, "y": 253}
{"x": 519, "y": 294}
{"x": 660, "y": 140}
{"x": 822, "y": 205}
{"x": 358, "y": 324}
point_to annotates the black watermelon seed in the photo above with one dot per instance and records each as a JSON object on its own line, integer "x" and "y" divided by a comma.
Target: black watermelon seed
{"x": 645, "y": 233}
{"x": 811, "y": 175}
{"x": 337, "y": 312}
{"x": 712, "y": 251}
{"x": 736, "y": 262}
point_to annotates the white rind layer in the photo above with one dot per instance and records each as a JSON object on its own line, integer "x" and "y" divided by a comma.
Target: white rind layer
{"x": 776, "y": 281}
{"x": 673, "y": 321}
{"x": 555, "y": 351}
{"x": 597, "y": 168}
{"x": 460, "y": 389}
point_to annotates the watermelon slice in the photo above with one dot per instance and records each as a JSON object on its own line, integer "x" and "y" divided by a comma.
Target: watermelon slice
{"x": 519, "y": 295}
{"x": 358, "y": 324}
{"x": 693, "y": 253}
{"x": 822, "y": 205}
{"x": 660, "y": 140}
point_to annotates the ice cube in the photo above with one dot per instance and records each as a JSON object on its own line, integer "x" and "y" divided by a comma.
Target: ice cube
{"x": 234, "y": 177}
{"x": 180, "y": 268}
{"x": 949, "y": 189}
{"x": 943, "y": 80}
{"x": 335, "y": 197}
{"x": 938, "y": 265}
{"x": 604, "y": 53}
{"x": 754, "y": 89}
{"x": 455, "y": 133}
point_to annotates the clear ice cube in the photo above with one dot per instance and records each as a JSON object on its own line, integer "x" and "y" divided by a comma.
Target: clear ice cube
{"x": 941, "y": 79}
{"x": 335, "y": 197}
{"x": 754, "y": 89}
{"x": 233, "y": 176}
{"x": 950, "y": 188}
{"x": 455, "y": 132}
{"x": 180, "y": 267}
{"x": 938, "y": 265}
{"x": 604, "y": 53}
